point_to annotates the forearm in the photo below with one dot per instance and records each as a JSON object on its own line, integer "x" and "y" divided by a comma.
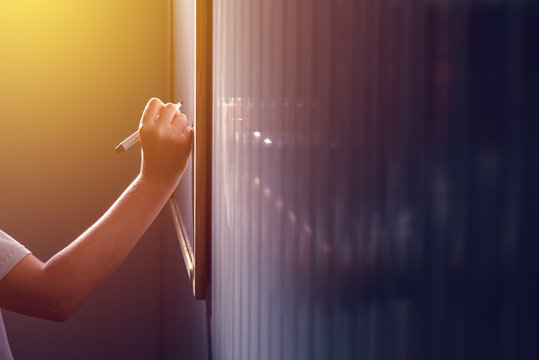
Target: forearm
{"x": 76, "y": 271}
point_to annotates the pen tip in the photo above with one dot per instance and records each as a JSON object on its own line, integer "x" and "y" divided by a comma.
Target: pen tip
{"x": 119, "y": 149}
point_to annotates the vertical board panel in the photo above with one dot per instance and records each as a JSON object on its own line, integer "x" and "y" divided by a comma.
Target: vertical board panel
{"x": 375, "y": 171}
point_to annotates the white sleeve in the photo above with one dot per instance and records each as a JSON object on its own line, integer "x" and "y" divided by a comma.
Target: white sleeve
{"x": 11, "y": 252}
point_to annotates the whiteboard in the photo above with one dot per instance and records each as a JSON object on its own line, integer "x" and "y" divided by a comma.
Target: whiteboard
{"x": 191, "y": 82}
{"x": 183, "y": 89}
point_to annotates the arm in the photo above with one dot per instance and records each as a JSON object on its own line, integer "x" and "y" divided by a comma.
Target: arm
{"x": 57, "y": 288}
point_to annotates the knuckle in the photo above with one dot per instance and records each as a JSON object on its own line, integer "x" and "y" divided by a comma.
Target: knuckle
{"x": 154, "y": 101}
{"x": 153, "y": 105}
{"x": 171, "y": 106}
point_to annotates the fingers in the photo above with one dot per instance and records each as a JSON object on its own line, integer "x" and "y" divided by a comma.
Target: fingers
{"x": 188, "y": 134}
{"x": 153, "y": 107}
{"x": 187, "y": 131}
{"x": 166, "y": 119}
{"x": 167, "y": 114}
{"x": 179, "y": 122}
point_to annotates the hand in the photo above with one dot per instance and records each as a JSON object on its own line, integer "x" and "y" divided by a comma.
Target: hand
{"x": 166, "y": 143}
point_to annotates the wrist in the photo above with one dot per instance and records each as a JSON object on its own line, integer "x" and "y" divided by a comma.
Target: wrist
{"x": 155, "y": 184}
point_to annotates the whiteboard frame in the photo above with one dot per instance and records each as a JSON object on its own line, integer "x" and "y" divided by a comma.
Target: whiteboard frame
{"x": 197, "y": 259}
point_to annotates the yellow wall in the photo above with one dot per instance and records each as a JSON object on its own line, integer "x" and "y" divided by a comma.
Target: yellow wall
{"x": 74, "y": 78}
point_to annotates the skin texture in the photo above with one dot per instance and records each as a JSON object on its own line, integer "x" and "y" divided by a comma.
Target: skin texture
{"x": 57, "y": 288}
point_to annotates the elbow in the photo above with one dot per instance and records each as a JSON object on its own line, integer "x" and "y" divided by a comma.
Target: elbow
{"x": 60, "y": 315}
{"x": 59, "y": 309}
{"x": 58, "y": 299}
{"x": 47, "y": 312}
{"x": 56, "y": 312}
{"x": 55, "y": 297}
{"x": 65, "y": 308}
